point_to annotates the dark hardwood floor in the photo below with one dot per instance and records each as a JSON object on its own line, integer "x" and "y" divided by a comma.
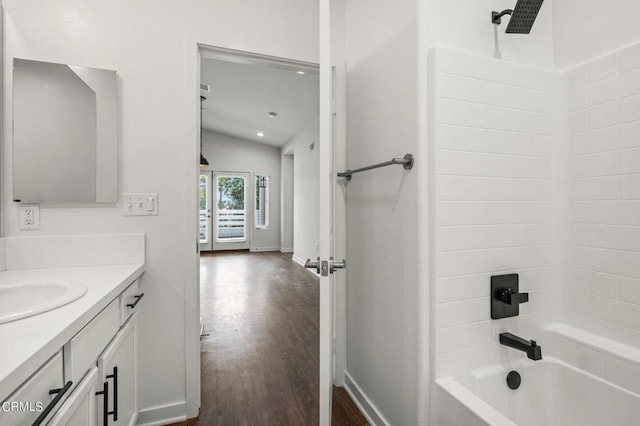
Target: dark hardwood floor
{"x": 260, "y": 343}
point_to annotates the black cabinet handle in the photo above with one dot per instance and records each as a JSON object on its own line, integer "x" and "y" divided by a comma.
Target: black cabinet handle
{"x": 138, "y": 298}
{"x": 59, "y": 394}
{"x": 105, "y": 407}
{"x": 114, "y": 376}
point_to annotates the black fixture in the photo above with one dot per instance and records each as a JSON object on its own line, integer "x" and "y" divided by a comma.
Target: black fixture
{"x": 138, "y": 297}
{"x": 522, "y": 16}
{"x": 532, "y": 349}
{"x": 514, "y": 380}
{"x": 203, "y": 161}
{"x": 505, "y": 299}
{"x": 59, "y": 394}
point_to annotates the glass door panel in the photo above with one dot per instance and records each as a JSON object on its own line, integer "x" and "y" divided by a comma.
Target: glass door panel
{"x": 231, "y": 197}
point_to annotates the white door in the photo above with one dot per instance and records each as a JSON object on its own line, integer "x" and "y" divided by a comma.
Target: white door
{"x": 205, "y": 224}
{"x": 326, "y": 215}
{"x": 232, "y": 208}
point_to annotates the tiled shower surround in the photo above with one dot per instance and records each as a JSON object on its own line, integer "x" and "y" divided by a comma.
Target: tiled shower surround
{"x": 535, "y": 172}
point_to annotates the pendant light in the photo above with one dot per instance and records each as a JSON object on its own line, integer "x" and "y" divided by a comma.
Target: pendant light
{"x": 203, "y": 161}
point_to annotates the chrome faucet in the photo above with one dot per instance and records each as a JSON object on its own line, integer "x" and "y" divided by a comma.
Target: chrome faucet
{"x": 532, "y": 349}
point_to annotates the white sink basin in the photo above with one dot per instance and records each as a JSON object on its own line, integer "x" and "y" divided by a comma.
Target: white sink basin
{"x": 25, "y": 299}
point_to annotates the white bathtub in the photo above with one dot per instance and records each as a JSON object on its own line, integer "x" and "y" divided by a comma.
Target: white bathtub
{"x": 552, "y": 393}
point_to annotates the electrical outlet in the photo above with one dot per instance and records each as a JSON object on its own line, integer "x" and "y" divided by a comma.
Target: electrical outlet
{"x": 29, "y": 216}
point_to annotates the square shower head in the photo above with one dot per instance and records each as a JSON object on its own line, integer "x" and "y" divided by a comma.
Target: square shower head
{"x": 523, "y": 16}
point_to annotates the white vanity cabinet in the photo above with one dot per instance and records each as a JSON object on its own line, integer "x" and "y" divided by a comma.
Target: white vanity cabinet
{"x": 117, "y": 367}
{"x": 107, "y": 345}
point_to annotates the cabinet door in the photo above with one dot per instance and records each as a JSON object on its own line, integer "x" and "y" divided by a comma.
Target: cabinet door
{"x": 80, "y": 408}
{"x": 117, "y": 367}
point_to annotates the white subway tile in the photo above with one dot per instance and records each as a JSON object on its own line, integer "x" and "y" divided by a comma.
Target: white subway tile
{"x": 578, "y": 98}
{"x": 489, "y": 213}
{"x": 630, "y": 316}
{"x": 629, "y": 83}
{"x": 629, "y": 58}
{"x": 580, "y": 279}
{"x": 604, "y": 212}
{"x": 629, "y": 109}
{"x": 580, "y": 188}
{"x": 629, "y": 161}
{"x": 630, "y": 187}
{"x": 461, "y": 188}
{"x": 579, "y": 142}
{"x": 604, "y": 260}
{"x": 491, "y": 117}
{"x": 622, "y": 373}
{"x": 604, "y": 115}
{"x": 578, "y": 120}
{"x": 604, "y": 285}
{"x": 630, "y": 238}
{"x": 630, "y": 264}
{"x": 604, "y": 188}
{"x": 630, "y": 290}
{"x": 630, "y": 212}
{"x": 462, "y": 312}
{"x": 603, "y": 91}
{"x": 491, "y": 141}
{"x": 630, "y": 135}
{"x": 486, "y": 68}
{"x": 603, "y": 163}
{"x": 579, "y": 166}
{"x": 605, "y": 139}
{"x": 491, "y": 260}
{"x": 493, "y": 236}
{"x": 589, "y": 360}
{"x": 604, "y": 236}
{"x": 491, "y": 165}
{"x": 578, "y": 76}
{"x": 580, "y": 211}
{"x": 454, "y": 339}
{"x": 459, "y": 288}
{"x": 604, "y": 67}
{"x": 580, "y": 257}
{"x": 451, "y": 86}
{"x": 580, "y": 235}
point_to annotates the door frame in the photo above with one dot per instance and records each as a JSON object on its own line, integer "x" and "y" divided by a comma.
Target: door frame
{"x": 332, "y": 128}
{"x": 209, "y": 244}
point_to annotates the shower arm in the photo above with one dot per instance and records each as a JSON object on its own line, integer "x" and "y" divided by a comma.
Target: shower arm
{"x": 496, "y": 17}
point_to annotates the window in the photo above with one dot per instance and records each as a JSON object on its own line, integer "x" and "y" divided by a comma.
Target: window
{"x": 262, "y": 202}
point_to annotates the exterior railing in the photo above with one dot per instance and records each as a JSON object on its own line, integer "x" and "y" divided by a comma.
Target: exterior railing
{"x": 231, "y": 224}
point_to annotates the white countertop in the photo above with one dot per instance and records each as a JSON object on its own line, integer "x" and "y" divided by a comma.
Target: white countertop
{"x": 27, "y": 343}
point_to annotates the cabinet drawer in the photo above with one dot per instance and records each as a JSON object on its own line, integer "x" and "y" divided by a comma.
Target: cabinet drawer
{"x": 128, "y": 301}
{"x": 80, "y": 408}
{"x": 85, "y": 347}
{"x": 33, "y": 396}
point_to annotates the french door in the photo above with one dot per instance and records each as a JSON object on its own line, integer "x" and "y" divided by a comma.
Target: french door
{"x": 226, "y": 212}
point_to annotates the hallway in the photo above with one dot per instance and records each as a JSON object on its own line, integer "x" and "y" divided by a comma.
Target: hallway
{"x": 259, "y": 350}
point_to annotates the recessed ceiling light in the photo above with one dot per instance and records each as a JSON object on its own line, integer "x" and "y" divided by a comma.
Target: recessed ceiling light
{"x": 300, "y": 72}
{"x": 260, "y": 134}
{"x": 273, "y": 114}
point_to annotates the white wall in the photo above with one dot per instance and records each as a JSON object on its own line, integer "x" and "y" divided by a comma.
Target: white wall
{"x": 492, "y": 124}
{"x": 584, "y": 30}
{"x": 603, "y": 289}
{"x": 381, "y": 55}
{"x": 466, "y": 25}
{"x": 230, "y": 154}
{"x": 153, "y": 47}
{"x": 305, "y": 191}
{"x": 286, "y": 203}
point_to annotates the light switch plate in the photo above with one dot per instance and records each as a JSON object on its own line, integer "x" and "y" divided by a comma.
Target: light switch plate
{"x": 140, "y": 204}
{"x": 29, "y": 216}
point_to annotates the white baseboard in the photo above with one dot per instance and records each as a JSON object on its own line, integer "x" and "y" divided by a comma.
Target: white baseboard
{"x": 286, "y": 249}
{"x": 299, "y": 261}
{"x": 163, "y": 414}
{"x": 264, "y": 248}
{"x": 368, "y": 410}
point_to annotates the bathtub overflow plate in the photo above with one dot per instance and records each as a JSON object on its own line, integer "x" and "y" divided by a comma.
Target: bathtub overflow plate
{"x": 514, "y": 380}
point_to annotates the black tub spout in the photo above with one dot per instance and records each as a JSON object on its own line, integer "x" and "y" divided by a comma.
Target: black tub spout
{"x": 532, "y": 349}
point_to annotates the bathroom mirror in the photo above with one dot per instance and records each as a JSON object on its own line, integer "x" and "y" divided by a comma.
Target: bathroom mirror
{"x": 65, "y": 133}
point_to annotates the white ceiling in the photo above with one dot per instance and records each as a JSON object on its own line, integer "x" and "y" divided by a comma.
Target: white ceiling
{"x": 242, "y": 96}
